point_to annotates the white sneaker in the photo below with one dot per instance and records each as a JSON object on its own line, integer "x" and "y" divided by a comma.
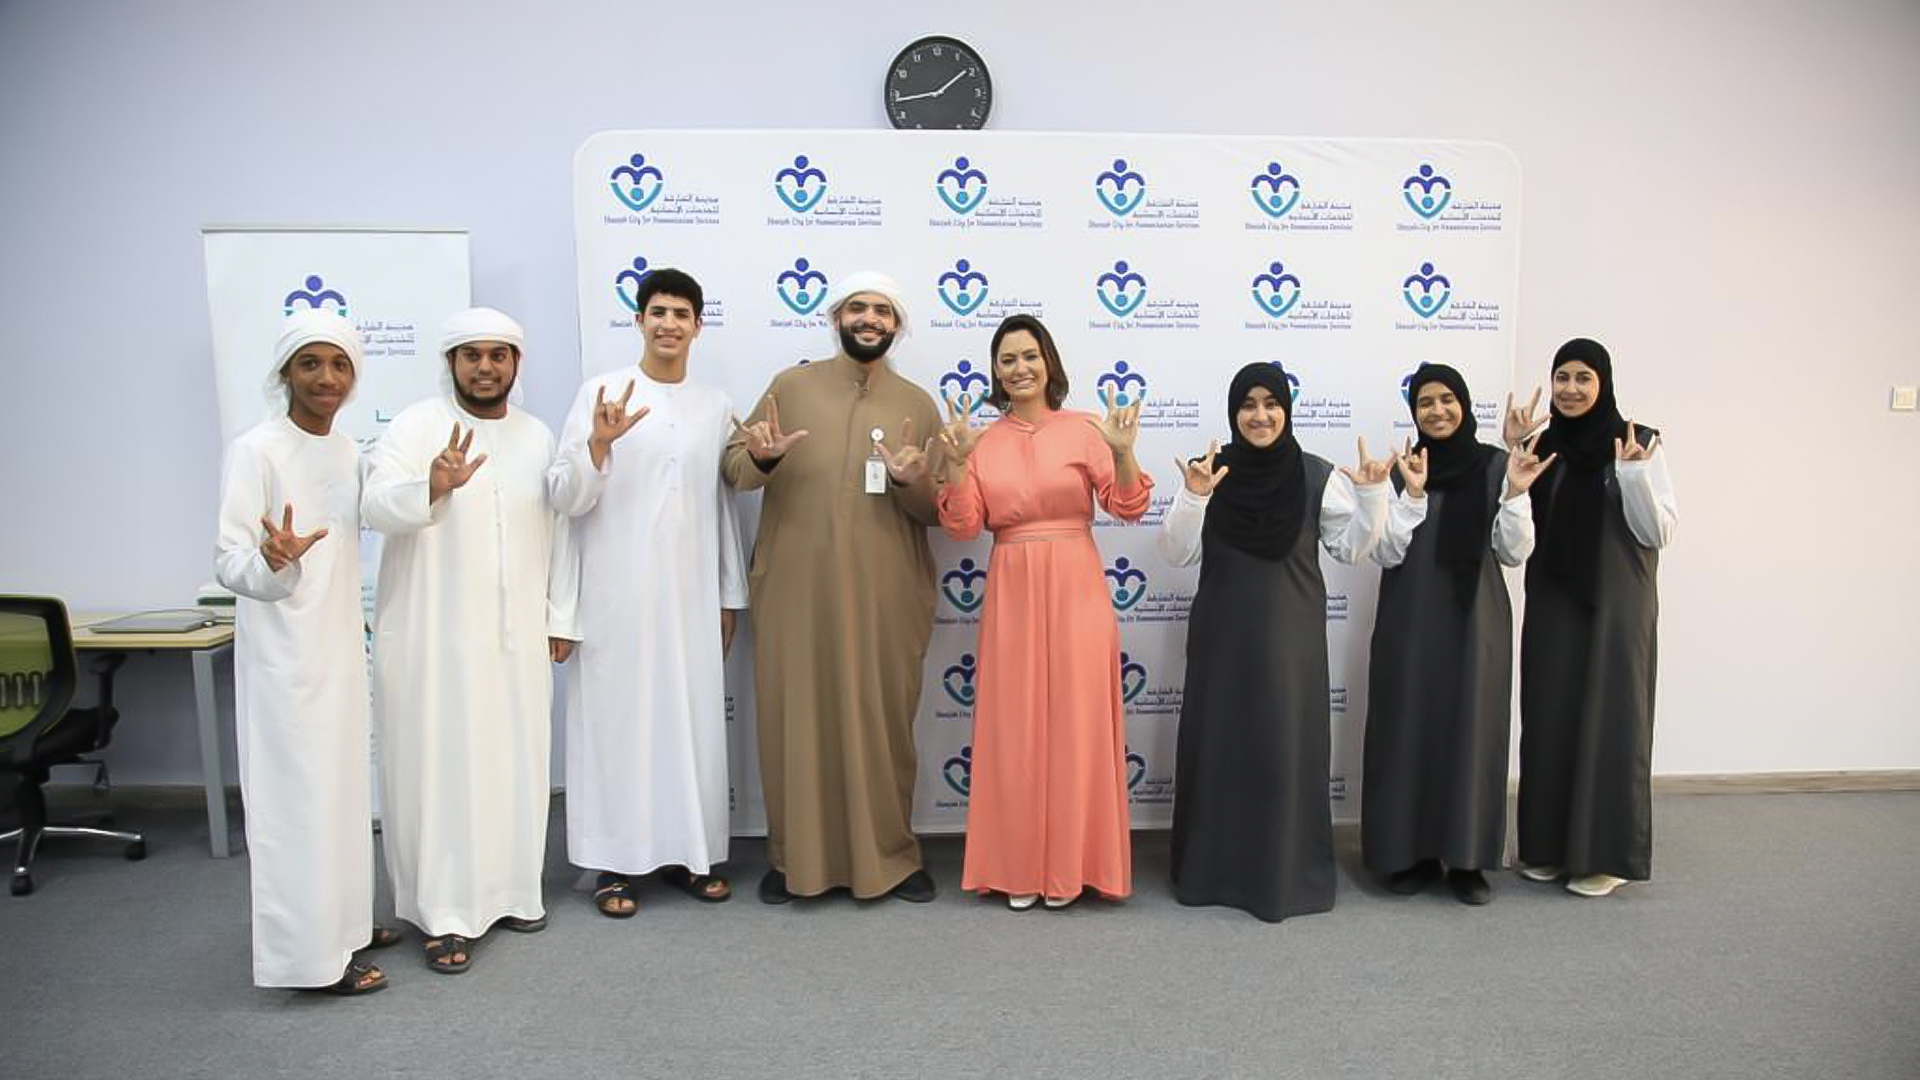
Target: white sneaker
{"x": 1023, "y": 901}
{"x": 1541, "y": 873}
{"x": 1058, "y": 903}
{"x": 1595, "y": 884}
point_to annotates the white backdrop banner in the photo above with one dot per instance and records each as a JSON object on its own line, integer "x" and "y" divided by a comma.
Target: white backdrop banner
{"x": 395, "y": 285}
{"x": 1162, "y": 264}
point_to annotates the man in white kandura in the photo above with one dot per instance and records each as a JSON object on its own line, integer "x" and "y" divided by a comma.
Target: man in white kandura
{"x": 289, "y": 546}
{"x": 475, "y": 602}
{"x": 663, "y": 576}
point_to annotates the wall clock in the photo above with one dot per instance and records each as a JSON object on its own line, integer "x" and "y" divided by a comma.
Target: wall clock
{"x": 938, "y": 83}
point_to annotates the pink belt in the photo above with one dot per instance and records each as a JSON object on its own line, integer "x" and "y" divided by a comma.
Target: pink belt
{"x": 1041, "y": 531}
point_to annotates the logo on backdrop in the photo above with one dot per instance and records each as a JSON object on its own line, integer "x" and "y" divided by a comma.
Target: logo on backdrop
{"x": 636, "y": 184}
{"x": 801, "y": 185}
{"x": 314, "y": 294}
{"x": 1275, "y": 191}
{"x": 965, "y": 587}
{"x": 1133, "y": 678}
{"x": 1427, "y": 192}
{"x": 1293, "y": 381}
{"x": 1276, "y": 291}
{"x": 801, "y": 288}
{"x": 1337, "y": 605}
{"x": 1317, "y": 411}
{"x": 626, "y": 283}
{"x": 1121, "y": 290}
{"x": 1427, "y": 291}
{"x": 1136, "y": 768}
{"x": 1126, "y": 583}
{"x": 957, "y": 680}
{"x": 958, "y": 770}
{"x": 1120, "y": 385}
{"x": 1120, "y": 189}
{"x": 963, "y": 289}
{"x": 963, "y": 188}
{"x": 1125, "y": 383}
{"x": 963, "y": 379}
{"x": 1406, "y": 387}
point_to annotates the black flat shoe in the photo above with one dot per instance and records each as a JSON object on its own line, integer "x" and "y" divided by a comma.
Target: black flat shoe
{"x": 522, "y": 926}
{"x": 1469, "y": 887}
{"x": 918, "y": 888}
{"x": 1414, "y": 879}
{"x": 773, "y": 888}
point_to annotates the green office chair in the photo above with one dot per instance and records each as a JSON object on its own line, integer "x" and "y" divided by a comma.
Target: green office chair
{"x": 38, "y": 729}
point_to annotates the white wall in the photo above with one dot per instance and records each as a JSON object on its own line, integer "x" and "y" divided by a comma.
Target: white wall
{"x": 1722, "y": 192}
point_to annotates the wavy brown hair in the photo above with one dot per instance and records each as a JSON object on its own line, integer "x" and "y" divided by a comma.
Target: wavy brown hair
{"x": 1056, "y": 375}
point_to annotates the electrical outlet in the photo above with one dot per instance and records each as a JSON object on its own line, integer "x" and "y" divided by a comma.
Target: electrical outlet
{"x": 1906, "y": 398}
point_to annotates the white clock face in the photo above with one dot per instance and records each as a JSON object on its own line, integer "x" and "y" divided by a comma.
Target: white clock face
{"x": 938, "y": 83}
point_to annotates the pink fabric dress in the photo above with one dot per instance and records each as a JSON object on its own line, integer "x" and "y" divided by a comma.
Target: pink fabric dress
{"x": 1048, "y": 809}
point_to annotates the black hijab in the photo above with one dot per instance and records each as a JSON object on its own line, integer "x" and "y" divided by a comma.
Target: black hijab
{"x": 1457, "y": 465}
{"x": 1261, "y": 504}
{"x": 1569, "y": 523}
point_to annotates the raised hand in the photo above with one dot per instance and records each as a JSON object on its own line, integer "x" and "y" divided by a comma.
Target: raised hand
{"x": 283, "y": 546}
{"x": 1200, "y": 475}
{"x": 909, "y": 463}
{"x": 1521, "y": 423}
{"x": 450, "y": 469}
{"x": 1523, "y": 468}
{"x": 1120, "y": 427}
{"x": 1369, "y": 471}
{"x": 610, "y": 421}
{"x": 764, "y": 440}
{"x": 1631, "y": 450}
{"x": 1413, "y": 470}
{"x": 958, "y": 436}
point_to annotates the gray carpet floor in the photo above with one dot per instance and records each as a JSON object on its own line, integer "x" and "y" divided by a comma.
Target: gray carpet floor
{"x": 1781, "y": 938}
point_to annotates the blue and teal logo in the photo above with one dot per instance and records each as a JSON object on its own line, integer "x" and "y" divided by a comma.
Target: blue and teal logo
{"x": 965, "y": 587}
{"x": 1136, "y": 768}
{"x": 1293, "y": 381}
{"x": 1120, "y": 386}
{"x": 801, "y": 186}
{"x": 1276, "y": 291}
{"x": 1427, "y": 192}
{"x": 963, "y": 289}
{"x": 963, "y": 188}
{"x": 1126, "y": 583}
{"x": 958, "y": 771}
{"x": 1133, "y": 678}
{"x": 1275, "y": 191}
{"x": 314, "y": 295}
{"x": 636, "y": 184}
{"x": 1426, "y": 292}
{"x": 1406, "y": 388}
{"x": 1121, "y": 289}
{"x": 1120, "y": 189}
{"x": 957, "y": 680}
{"x": 626, "y": 283}
{"x": 964, "y": 380}
{"x": 802, "y": 288}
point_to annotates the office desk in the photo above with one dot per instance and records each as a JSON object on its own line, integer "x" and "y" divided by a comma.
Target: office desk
{"x": 203, "y": 647}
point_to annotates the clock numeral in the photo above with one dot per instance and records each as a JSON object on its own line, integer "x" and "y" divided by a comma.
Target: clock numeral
{"x": 899, "y": 73}
{"x": 937, "y": 50}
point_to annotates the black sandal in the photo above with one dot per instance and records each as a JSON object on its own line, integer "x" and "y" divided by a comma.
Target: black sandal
{"x": 441, "y": 950}
{"x": 383, "y": 937}
{"x": 360, "y": 978}
{"x": 522, "y": 926}
{"x": 612, "y": 887}
{"x": 710, "y": 888}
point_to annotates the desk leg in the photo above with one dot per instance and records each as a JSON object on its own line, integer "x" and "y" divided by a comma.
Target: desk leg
{"x": 207, "y": 706}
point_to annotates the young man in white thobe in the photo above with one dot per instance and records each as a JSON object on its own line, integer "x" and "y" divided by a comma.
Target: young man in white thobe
{"x": 662, "y": 576}
{"x": 289, "y": 547}
{"x": 474, "y": 604}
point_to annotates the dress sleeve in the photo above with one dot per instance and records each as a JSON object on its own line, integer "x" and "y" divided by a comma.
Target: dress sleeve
{"x": 563, "y": 580}
{"x": 733, "y": 559}
{"x": 1646, "y": 495}
{"x": 1404, "y": 515}
{"x": 1179, "y": 535}
{"x": 573, "y": 484}
{"x": 394, "y": 493}
{"x": 962, "y": 506}
{"x": 1351, "y": 519}
{"x": 1124, "y": 504}
{"x": 1513, "y": 530}
{"x": 245, "y": 496}
{"x": 741, "y": 472}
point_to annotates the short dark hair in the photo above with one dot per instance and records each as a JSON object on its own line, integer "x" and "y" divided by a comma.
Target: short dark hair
{"x": 667, "y": 281}
{"x": 1056, "y": 375}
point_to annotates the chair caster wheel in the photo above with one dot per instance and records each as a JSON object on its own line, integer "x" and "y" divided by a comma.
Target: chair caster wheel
{"x": 20, "y": 885}
{"x": 137, "y": 850}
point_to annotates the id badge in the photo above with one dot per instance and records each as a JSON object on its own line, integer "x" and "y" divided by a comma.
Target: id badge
{"x": 876, "y": 476}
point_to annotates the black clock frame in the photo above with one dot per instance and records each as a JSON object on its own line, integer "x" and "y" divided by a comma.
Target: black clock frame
{"x": 963, "y": 121}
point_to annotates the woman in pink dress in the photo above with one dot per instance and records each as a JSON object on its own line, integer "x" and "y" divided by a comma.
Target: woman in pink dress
{"x": 1048, "y": 813}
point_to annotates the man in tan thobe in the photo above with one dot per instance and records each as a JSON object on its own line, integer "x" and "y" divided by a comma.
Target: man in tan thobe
{"x": 841, "y": 597}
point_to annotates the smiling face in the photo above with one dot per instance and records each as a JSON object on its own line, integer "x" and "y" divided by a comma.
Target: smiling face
{"x": 1020, "y": 368}
{"x": 668, "y": 324}
{"x": 867, "y": 324}
{"x": 1261, "y": 418}
{"x": 1576, "y": 387}
{"x": 319, "y": 377}
{"x": 483, "y": 374}
{"x": 1436, "y": 410}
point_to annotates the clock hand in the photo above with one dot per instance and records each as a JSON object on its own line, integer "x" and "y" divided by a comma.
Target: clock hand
{"x": 897, "y": 98}
{"x": 950, "y": 82}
